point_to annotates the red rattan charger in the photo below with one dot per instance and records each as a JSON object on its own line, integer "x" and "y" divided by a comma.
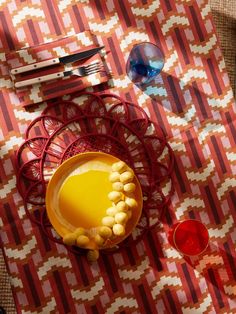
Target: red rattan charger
{"x": 95, "y": 122}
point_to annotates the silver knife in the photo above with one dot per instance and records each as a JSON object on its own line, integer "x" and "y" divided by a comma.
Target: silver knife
{"x": 66, "y": 59}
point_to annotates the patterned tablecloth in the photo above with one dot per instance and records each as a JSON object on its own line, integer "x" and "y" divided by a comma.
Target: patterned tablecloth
{"x": 193, "y": 102}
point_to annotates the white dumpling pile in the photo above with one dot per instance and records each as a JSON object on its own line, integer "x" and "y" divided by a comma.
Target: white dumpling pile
{"x": 123, "y": 187}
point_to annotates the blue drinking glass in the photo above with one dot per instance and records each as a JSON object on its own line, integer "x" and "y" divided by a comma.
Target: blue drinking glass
{"x": 145, "y": 62}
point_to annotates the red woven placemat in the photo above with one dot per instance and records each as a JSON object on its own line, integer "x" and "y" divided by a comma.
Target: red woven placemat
{"x": 95, "y": 122}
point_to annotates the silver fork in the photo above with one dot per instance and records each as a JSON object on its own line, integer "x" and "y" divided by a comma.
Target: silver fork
{"x": 84, "y": 70}
{"x": 80, "y": 71}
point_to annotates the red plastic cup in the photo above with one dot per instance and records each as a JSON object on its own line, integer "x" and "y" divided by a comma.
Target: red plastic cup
{"x": 190, "y": 237}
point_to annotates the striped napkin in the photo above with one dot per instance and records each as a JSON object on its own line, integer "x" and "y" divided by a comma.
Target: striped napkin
{"x": 40, "y": 92}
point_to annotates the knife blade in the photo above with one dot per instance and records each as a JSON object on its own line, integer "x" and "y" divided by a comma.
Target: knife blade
{"x": 66, "y": 59}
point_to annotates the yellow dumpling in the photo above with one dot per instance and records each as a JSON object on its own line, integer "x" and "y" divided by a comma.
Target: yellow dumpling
{"x": 92, "y": 255}
{"x": 126, "y": 177}
{"x": 119, "y": 166}
{"x": 114, "y": 177}
{"x": 79, "y": 231}
{"x": 99, "y": 240}
{"x": 115, "y": 196}
{"x": 108, "y": 221}
{"x": 111, "y": 211}
{"x": 69, "y": 239}
{"x": 118, "y": 186}
{"x": 118, "y": 230}
{"x": 121, "y": 218}
{"x": 82, "y": 240}
{"x": 105, "y": 232}
{"x": 129, "y": 187}
{"x": 131, "y": 202}
{"x": 121, "y": 206}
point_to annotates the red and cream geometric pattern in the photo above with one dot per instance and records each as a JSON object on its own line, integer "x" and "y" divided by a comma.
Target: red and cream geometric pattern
{"x": 65, "y": 46}
{"x": 193, "y": 102}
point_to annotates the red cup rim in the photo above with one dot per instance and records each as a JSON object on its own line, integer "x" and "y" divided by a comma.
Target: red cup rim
{"x": 184, "y": 221}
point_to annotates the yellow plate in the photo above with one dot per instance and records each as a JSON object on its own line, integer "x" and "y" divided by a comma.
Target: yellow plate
{"x": 77, "y": 195}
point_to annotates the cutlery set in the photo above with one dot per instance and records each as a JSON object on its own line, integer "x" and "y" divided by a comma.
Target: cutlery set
{"x": 80, "y": 71}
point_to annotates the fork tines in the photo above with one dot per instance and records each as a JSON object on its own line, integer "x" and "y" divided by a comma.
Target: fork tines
{"x": 93, "y": 68}
{"x": 85, "y": 70}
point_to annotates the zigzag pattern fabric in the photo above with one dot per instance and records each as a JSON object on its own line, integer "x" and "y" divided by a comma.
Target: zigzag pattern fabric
{"x": 192, "y": 101}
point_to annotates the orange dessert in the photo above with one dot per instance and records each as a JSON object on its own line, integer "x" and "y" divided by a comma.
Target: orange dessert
{"x": 94, "y": 201}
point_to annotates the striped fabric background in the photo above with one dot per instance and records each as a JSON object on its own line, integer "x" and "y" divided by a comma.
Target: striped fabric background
{"x": 193, "y": 102}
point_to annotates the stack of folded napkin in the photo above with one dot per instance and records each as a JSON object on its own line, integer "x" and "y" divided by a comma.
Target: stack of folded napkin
{"x": 39, "y": 92}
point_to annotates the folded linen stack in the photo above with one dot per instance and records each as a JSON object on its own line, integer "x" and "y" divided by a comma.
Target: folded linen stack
{"x": 40, "y": 92}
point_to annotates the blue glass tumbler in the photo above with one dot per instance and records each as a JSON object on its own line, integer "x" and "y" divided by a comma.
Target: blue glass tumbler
{"x": 144, "y": 63}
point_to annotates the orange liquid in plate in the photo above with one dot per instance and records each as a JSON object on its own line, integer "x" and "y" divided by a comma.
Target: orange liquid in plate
{"x": 82, "y": 202}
